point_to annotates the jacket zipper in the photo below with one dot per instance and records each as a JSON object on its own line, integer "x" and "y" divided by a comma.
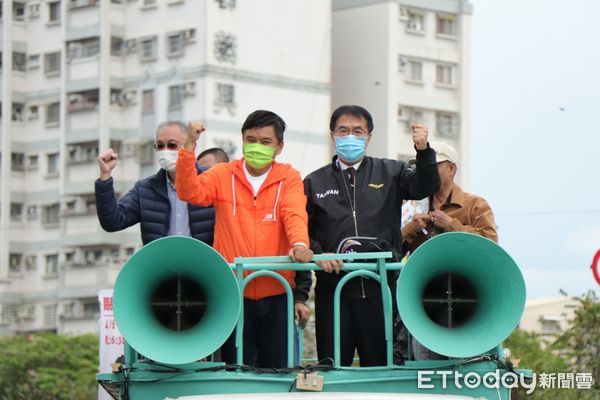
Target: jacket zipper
{"x": 353, "y": 207}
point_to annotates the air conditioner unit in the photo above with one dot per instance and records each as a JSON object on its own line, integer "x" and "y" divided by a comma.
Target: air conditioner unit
{"x": 402, "y": 63}
{"x": 75, "y": 97}
{"x": 115, "y": 98}
{"x": 144, "y": 153}
{"x": 127, "y": 150}
{"x": 31, "y": 261}
{"x": 189, "y": 89}
{"x": 34, "y": 10}
{"x": 189, "y": 35}
{"x": 26, "y": 312}
{"x": 128, "y": 97}
{"x": 33, "y": 114}
{"x": 15, "y": 262}
{"x": 403, "y": 114}
{"x": 130, "y": 46}
{"x": 403, "y": 13}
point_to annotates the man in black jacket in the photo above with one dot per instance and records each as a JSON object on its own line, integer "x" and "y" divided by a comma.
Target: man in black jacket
{"x": 354, "y": 203}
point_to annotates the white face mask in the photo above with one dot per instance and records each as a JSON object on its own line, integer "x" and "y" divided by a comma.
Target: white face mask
{"x": 167, "y": 159}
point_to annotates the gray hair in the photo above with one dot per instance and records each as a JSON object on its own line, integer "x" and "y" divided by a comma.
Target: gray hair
{"x": 181, "y": 125}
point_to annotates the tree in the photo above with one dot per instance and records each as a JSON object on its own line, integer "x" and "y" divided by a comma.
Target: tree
{"x": 48, "y": 366}
{"x": 577, "y": 350}
{"x": 580, "y": 344}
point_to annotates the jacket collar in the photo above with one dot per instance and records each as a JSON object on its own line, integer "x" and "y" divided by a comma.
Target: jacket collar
{"x": 158, "y": 181}
{"x": 277, "y": 173}
{"x": 457, "y": 196}
{"x": 363, "y": 164}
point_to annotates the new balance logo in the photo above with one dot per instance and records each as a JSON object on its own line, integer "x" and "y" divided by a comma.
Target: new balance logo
{"x": 327, "y": 193}
{"x": 268, "y": 217}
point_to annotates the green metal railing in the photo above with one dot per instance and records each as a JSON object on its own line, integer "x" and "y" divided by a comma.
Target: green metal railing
{"x": 266, "y": 266}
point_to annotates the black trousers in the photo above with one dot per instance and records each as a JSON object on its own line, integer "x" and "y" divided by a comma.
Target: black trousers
{"x": 361, "y": 328}
{"x": 265, "y": 334}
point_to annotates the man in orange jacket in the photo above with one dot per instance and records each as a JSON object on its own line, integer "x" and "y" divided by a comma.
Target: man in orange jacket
{"x": 260, "y": 210}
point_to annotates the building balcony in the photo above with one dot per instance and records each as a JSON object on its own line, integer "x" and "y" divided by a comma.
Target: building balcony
{"x": 83, "y": 117}
{"x": 78, "y": 282}
{"x": 84, "y": 68}
{"x": 82, "y": 14}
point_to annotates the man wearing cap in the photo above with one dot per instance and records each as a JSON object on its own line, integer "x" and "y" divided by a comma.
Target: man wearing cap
{"x": 354, "y": 206}
{"x": 451, "y": 209}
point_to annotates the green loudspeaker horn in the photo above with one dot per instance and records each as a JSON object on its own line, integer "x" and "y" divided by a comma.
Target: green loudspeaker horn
{"x": 176, "y": 300}
{"x": 460, "y": 294}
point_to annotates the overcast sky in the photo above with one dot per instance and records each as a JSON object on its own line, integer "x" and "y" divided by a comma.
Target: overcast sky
{"x": 535, "y": 148}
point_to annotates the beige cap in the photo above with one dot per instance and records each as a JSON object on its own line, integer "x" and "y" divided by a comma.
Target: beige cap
{"x": 443, "y": 152}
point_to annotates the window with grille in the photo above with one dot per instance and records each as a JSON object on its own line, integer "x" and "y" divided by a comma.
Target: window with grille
{"x": 443, "y": 75}
{"x": 175, "y": 44}
{"x": 53, "y": 113}
{"x": 446, "y": 25}
{"x": 414, "y": 71}
{"x": 52, "y": 63}
{"x": 16, "y": 212}
{"x": 148, "y": 47}
{"x": 52, "y": 163}
{"x": 416, "y": 22}
{"x": 225, "y": 94}
{"x": 148, "y": 101}
{"x": 19, "y": 61}
{"x": 49, "y": 315}
{"x": 50, "y": 216}
{"x": 9, "y": 313}
{"x": 446, "y": 124}
{"x": 15, "y": 261}
{"x": 17, "y": 162}
{"x": 54, "y": 12}
{"x": 175, "y": 97}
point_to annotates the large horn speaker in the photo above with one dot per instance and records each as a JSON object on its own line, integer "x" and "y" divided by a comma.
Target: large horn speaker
{"x": 460, "y": 294}
{"x": 176, "y": 300}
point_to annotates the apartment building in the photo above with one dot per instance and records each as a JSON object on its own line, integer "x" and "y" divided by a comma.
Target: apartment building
{"x": 79, "y": 76}
{"x": 406, "y": 61}
{"x": 549, "y": 317}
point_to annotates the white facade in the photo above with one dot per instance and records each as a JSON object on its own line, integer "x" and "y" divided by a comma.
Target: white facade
{"x": 89, "y": 74}
{"x": 548, "y": 317}
{"x": 406, "y": 61}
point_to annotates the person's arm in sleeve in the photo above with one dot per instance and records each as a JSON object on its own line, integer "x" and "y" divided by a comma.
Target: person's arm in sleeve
{"x": 327, "y": 266}
{"x": 295, "y": 219}
{"x": 314, "y": 244}
{"x": 424, "y": 180}
{"x": 115, "y": 215}
{"x": 193, "y": 188}
{"x": 303, "y": 281}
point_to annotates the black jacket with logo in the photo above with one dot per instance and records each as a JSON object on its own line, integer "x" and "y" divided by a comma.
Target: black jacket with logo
{"x": 381, "y": 185}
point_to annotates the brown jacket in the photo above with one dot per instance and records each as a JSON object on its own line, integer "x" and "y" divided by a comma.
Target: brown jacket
{"x": 469, "y": 213}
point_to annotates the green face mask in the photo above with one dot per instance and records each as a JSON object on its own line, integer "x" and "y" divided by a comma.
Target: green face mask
{"x": 258, "y": 155}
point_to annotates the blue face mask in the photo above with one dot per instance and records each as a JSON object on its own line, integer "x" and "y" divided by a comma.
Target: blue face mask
{"x": 350, "y": 148}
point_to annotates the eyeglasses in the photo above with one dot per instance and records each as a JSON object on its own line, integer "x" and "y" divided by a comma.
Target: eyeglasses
{"x": 169, "y": 146}
{"x": 343, "y": 131}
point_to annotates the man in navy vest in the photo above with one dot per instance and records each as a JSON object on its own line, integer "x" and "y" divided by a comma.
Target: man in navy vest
{"x": 153, "y": 201}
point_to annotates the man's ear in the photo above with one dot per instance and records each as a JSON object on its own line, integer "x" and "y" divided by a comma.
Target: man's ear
{"x": 453, "y": 168}
{"x": 278, "y": 149}
{"x": 368, "y": 140}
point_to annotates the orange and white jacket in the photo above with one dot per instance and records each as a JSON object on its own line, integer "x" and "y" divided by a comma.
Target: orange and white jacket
{"x": 247, "y": 226}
